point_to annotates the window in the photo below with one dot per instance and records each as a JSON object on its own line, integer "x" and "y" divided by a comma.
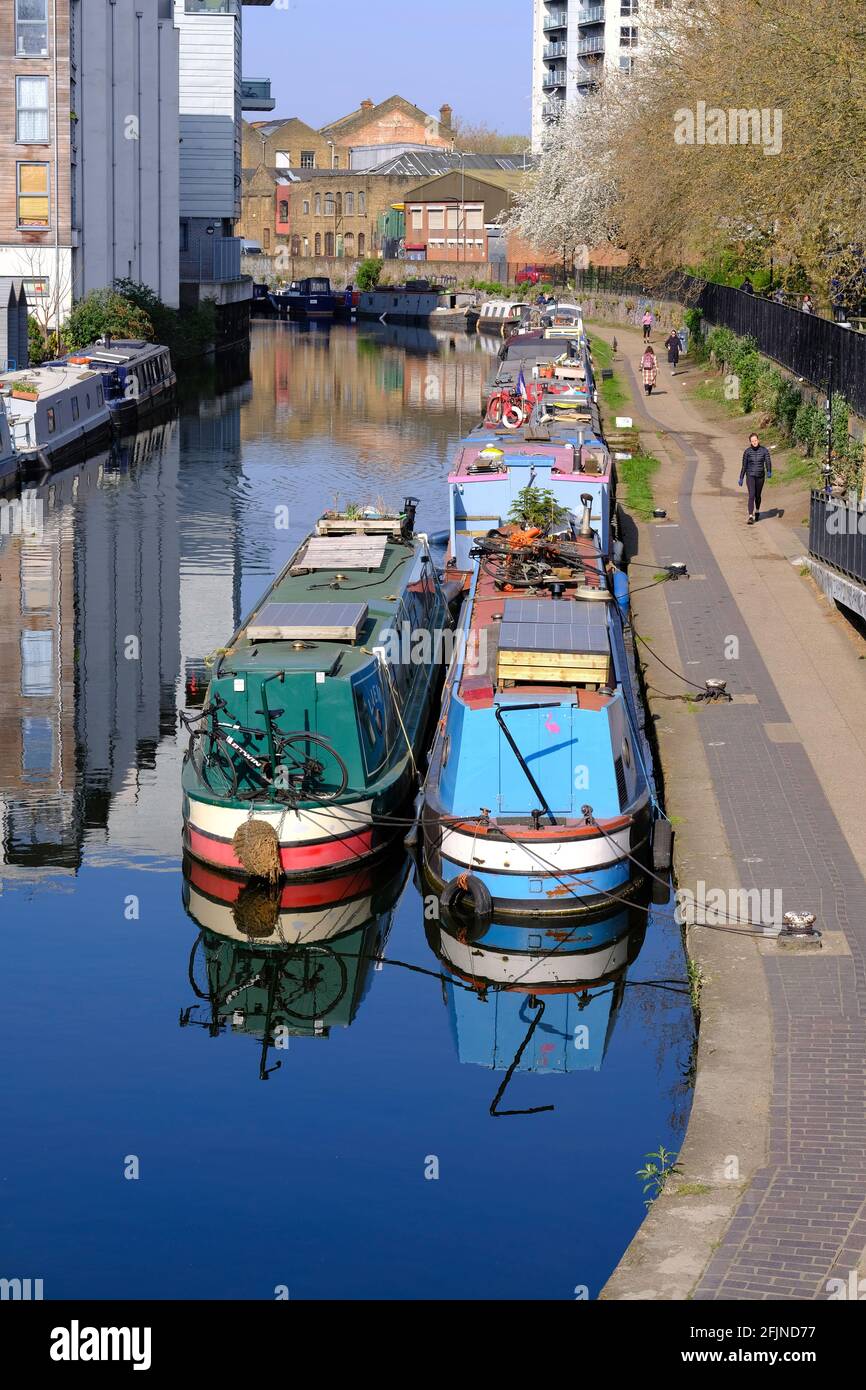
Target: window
{"x": 284, "y": 209}
{"x": 329, "y": 205}
{"x": 362, "y": 243}
{"x": 628, "y": 7}
{"x": 417, "y": 219}
{"x": 52, "y": 421}
{"x": 308, "y": 159}
{"x": 31, "y": 28}
{"x": 296, "y": 245}
{"x": 349, "y": 244}
{"x": 318, "y": 204}
{"x": 37, "y": 289}
{"x": 329, "y": 243}
{"x": 475, "y": 219}
{"x": 74, "y": 403}
{"x": 266, "y": 238}
{"x": 87, "y": 402}
{"x": 33, "y": 195}
{"x": 306, "y": 207}
{"x": 31, "y": 105}
{"x": 318, "y": 243}
{"x": 37, "y": 577}
{"x": 436, "y": 219}
{"x": 628, "y": 37}
{"x": 336, "y": 163}
{"x": 453, "y": 219}
{"x": 362, "y": 204}
{"x": 339, "y": 205}
{"x": 350, "y": 204}
{"x": 37, "y": 663}
{"x": 37, "y": 747}
{"x": 99, "y": 393}
{"x": 184, "y": 234}
{"x": 306, "y": 246}
{"x": 626, "y": 65}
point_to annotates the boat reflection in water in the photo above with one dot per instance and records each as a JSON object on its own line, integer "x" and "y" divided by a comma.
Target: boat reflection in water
{"x": 294, "y": 960}
{"x": 537, "y": 997}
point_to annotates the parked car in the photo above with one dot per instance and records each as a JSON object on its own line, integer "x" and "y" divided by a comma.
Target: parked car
{"x": 529, "y": 275}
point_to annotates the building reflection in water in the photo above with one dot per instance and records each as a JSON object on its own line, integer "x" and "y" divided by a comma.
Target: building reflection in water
{"x": 295, "y": 960}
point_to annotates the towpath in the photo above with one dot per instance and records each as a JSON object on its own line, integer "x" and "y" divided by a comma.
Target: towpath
{"x": 769, "y": 794}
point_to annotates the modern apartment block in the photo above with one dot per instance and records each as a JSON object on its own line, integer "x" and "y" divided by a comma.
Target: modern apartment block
{"x": 573, "y": 42}
{"x": 124, "y": 144}
{"x": 212, "y": 96}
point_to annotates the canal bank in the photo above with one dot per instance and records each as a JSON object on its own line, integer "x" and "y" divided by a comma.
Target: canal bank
{"x": 765, "y": 790}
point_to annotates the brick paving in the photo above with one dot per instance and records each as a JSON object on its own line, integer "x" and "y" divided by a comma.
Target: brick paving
{"x": 802, "y": 1220}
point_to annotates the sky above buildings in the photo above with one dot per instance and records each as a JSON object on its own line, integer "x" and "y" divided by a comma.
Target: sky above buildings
{"x": 325, "y": 56}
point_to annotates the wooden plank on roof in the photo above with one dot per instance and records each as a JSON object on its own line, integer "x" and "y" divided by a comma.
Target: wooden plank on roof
{"x": 342, "y": 553}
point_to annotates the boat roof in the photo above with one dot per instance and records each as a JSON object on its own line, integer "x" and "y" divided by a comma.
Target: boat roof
{"x": 320, "y": 601}
{"x": 120, "y": 350}
{"x": 51, "y": 377}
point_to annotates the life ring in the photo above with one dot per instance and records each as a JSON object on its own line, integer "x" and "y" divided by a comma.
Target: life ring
{"x": 467, "y": 896}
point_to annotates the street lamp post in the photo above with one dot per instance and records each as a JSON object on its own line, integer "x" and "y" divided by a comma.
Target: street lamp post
{"x": 461, "y": 221}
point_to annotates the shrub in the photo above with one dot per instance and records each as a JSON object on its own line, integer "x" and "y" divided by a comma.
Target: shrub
{"x": 809, "y": 427}
{"x": 105, "y": 311}
{"x": 368, "y": 273}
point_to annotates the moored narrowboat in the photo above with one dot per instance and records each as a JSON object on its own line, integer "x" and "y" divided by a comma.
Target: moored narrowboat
{"x": 539, "y": 798}
{"x": 55, "y": 412}
{"x": 314, "y": 719}
{"x": 137, "y": 376}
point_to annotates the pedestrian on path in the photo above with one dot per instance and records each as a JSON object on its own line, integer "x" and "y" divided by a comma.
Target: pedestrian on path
{"x": 650, "y": 368}
{"x": 672, "y": 343}
{"x": 757, "y": 465}
{"x": 807, "y": 306}
{"x": 647, "y": 322}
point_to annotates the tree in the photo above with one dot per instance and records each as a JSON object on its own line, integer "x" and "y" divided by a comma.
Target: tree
{"x": 105, "y": 311}
{"x": 368, "y": 273}
{"x": 478, "y": 138}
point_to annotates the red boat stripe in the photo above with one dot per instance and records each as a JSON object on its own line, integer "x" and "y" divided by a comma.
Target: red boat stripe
{"x": 293, "y": 858}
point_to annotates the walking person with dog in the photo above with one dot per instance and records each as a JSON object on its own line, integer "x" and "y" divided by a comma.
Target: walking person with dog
{"x": 756, "y": 467}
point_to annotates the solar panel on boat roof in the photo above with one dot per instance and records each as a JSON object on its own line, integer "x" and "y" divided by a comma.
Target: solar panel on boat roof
{"x": 281, "y": 622}
{"x": 547, "y": 625}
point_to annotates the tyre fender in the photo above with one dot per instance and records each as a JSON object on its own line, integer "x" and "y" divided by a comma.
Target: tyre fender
{"x": 466, "y": 896}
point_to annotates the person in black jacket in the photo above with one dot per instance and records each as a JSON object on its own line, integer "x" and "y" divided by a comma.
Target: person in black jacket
{"x": 757, "y": 465}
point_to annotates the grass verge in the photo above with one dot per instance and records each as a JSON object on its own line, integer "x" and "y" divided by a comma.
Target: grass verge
{"x": 635, "y": 475}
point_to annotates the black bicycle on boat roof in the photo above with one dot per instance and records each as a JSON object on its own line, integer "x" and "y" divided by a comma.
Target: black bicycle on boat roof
{"x": 305, "y": 766}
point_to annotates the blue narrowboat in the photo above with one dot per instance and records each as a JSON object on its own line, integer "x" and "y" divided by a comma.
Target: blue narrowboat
{"x": 539, "y": 798}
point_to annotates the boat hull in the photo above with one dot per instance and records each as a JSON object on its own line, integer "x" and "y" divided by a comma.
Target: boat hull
{"x": 320, "y": 840}
{"x": 541, "y": 873}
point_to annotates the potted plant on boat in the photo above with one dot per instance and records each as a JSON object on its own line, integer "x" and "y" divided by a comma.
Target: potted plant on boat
{"x": 536, "y": 506}
{"x": 374, "y": 520}
{"x": 25, "y": 391}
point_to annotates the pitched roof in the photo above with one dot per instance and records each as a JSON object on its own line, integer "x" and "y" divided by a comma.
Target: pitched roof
{"x": 428, "y": 163}
{"x": 361, "y": 114}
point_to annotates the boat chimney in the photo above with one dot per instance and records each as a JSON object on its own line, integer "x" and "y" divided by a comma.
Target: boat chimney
{"x": 586, "y": 519}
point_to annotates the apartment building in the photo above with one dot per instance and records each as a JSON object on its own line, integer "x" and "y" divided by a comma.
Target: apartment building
{"x": 573, "y": 42}
{"x": 212, "y": 95}
{"x": 36, "y": 232}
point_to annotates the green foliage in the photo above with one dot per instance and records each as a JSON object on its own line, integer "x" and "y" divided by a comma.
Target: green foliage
{"x": 41, "y": 346}
{"x": 186, "y": 334}
{"x": 368, "y": 273}
{"x": 810, "y": 426}
{"x": 637, "y": 474}
{"x": 536, "y": 506}
{"x": 656, "y": 1171}
{"x": 105, "y": 311}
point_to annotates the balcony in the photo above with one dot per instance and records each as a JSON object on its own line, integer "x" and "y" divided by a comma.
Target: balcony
{"x": 558, "y": 19}
{"x": 212, "y": 259}
{"x": 589, "y": 75}
{"x": 256, "y": 96}
{"x": 554, "y": 79}
{"x": 593, "y": 14}
{"x": 556, "y": 50}
{"x": 591, "y": 46}
{"x": 552, "y": 110}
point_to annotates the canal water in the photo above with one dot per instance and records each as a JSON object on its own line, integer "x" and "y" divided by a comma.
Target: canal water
{"x": 153, "y": 1147}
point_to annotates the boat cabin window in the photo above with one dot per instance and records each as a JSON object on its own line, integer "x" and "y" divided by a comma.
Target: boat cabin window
{"x": 52, "y": 421}
{"x": 74, "y": 403}
{"x": 87, "y": 401}
{"x": 99, "y": 394}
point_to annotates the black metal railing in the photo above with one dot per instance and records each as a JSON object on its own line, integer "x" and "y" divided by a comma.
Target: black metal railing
{"x": 818, "y": 350}
{"x": 837, "y": 534}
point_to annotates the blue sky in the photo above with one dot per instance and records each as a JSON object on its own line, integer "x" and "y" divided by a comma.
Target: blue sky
{"x": 325, "y": 56}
